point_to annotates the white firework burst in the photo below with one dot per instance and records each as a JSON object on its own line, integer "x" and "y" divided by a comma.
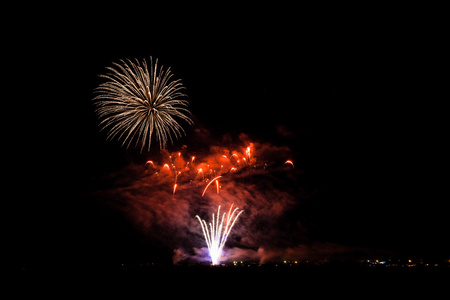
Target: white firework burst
{"x": 217, "y": 233}
{"x": 136, "y": 102}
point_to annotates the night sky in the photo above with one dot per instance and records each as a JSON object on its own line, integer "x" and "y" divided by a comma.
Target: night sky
{"x": 357, "y": 101}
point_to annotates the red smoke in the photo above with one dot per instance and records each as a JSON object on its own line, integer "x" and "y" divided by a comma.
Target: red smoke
{"x": 163, "y": 194}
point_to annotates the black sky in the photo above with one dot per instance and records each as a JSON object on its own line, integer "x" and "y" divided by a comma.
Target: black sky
{"x": 359, "y": 101}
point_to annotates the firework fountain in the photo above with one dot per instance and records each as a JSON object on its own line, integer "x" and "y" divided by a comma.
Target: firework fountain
{"x": 185, "y": 173}
{"x": 216, "y": 235}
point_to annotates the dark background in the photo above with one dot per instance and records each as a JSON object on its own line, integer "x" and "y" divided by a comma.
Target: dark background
{"x": 358, "y": 94}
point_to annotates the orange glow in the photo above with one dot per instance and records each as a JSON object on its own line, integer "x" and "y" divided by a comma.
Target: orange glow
{"x": 217, "y": 186}
{"x": 248, "y": 152}
{"x": 200, "y": 170}
{"x": 219, "y": 162}
{"x": 174, "y": 188}
{"x": 209, "y": 183}
{"x": 289, "y": 162}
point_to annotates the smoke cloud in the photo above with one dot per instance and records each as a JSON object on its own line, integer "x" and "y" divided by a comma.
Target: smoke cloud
{"x": 163, "y": 195}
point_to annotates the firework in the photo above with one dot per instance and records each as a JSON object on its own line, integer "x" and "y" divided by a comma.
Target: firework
{"x": 217, "y": 233}
{"x": 289, "y": 162}
{"x": 174, "y": 188}
{"x": 209, "y": 183}
{"x": 196, "y": 169}
{"x": 248, "y": 153}
{"x": 135, "y": 102}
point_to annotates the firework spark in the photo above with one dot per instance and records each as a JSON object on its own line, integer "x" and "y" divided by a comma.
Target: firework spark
{"x": 209, "y": 183}
{"x": 174, "y": 188}
{"x": 136, "y": 102}
{"x": 216, "y": 235}
{"x": 209, "y": 170}
{"x": 289, "y": 162}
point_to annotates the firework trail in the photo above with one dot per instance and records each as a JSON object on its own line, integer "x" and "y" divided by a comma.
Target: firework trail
{"x": 217, "y": 234}
{"x": 174, "y": 188}
{"x": 209, "y": 170}
{"x": 289, "y": 162}
{"x": 214, "y": 179}
{"x": 136, "y": 102}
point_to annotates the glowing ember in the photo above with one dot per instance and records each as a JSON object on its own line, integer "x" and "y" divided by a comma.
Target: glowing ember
{"x": 217, "y": 186}
{"x": 174, "y": 188}
{"x": 247, "y": 152}
{"x": 209, "y": 183}
{"x": 208, "y": 170}
{"x": 216, "y": 235}
{"x": 289, "y": 162}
